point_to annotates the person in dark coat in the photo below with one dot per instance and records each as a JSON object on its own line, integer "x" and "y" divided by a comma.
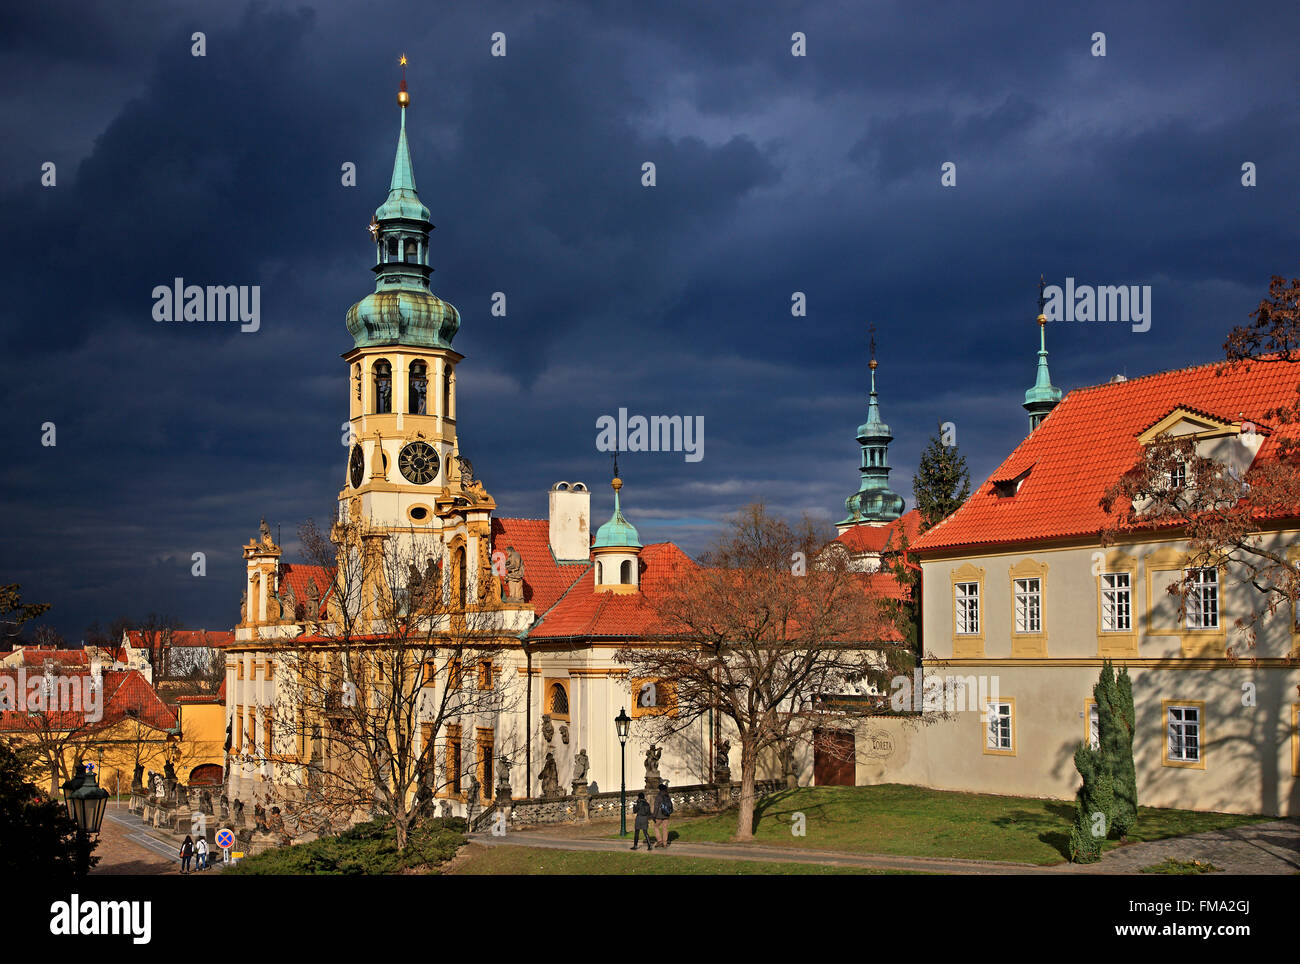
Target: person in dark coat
{"x": 642, "y": 825}
{"x": 663, "y": 809}
{"x": 187, "y": 851}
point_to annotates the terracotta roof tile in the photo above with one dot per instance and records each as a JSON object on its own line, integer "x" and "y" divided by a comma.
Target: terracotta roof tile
{"x": 869, "y": 538}
{"x": 545, "y": 580}
{"x": 1090, "y": 440}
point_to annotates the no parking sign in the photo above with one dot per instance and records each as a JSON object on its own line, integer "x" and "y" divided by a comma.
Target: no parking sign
{"x": 225, "y": 838}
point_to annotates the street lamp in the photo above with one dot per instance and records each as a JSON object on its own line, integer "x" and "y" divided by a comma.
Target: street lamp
{"x": 85, "y": 800}
{"x": 622, "y": 723}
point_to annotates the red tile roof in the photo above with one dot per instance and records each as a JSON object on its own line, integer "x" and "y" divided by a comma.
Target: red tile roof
{"x": 869, "y": 538}
{"x": 545, "y": 580}
{"x": 1090, "y": 440}
{"x": 126, "y": 693}
{"x": 584, "y": 612}
{"x": 186, "y": 637}
{"x": 60, "y": 657}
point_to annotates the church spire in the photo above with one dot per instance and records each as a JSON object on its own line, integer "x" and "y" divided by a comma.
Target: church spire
{"x": 402, "y": 309}
{"x": 1042, "y": 398}
{"x": 874, "y": 502}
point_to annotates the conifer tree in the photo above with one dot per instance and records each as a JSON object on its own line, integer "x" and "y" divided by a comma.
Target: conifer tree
{"x": 941, "y": 482}
{"x": 1093, "y": 807}
{"x": 1114, "y": 695}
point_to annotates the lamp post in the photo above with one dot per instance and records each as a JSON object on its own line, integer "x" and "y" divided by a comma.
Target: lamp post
{"x": 622, "y": 723}
{"x": 85, "y": 800}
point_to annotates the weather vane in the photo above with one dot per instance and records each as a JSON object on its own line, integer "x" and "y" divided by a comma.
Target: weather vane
{"x": 1042, "y": 301}
{"x": 872, "y": 330}
{"x": 614, "y": 456}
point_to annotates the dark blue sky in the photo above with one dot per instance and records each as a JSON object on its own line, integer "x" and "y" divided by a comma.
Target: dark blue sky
{"x": 776, "y": 174}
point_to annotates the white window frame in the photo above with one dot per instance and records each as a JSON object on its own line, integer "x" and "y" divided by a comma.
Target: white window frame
{"x": 1117, "y": 602}
{"x": 1177, "y": 729}
{"x": 1029, "y": 604}
{"x": 966, "y": 603}
{"x": 1094, "y": 726}
{"x": 1000, "y": 725}
{"x": 1204, "y": 590}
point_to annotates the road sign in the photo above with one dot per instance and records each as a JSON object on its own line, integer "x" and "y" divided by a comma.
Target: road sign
{"x": 225, "y": 839}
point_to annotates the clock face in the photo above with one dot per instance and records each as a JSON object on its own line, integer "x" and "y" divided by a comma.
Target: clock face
{"x": 418, "y": 462}
{"x": 356, "y": 466}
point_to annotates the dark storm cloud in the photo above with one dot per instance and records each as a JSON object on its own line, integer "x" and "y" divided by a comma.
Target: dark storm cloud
{"x": 775, "y": 174}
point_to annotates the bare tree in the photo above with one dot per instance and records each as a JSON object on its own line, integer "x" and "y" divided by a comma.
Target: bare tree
{"x": 380, "y": 699}
{"x": 780, "y": 650}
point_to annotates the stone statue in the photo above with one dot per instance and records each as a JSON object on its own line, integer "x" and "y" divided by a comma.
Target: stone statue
{"x": 466, "y": 470}
{"x": 205, "y": 802}
{"x": 137, "y": 778}
{"x": 475, "y": 789}
{"x": 580, "y": 765}
{"x": 169, "y": 771}
{"x": 259, "y": 816}
{"x": 313, "y": 600}
{"x": 548, "y": 729}
{"x": 243, "y": 606}
{"x": 238, "y": 806}
{"x": 564, "y": 734}
{"x": 275, "y": 822}
{"x": 550, "y": 777}
{"x": 652, "y": 756}
{"x": 445, "y": 808}
{"x": 265, "y": 531}
{"x": 724, "y": 751}
{"x": 514, "y": 575}
{"x": 503, "y": 770}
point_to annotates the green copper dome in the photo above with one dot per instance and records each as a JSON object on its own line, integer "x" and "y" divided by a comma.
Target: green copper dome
{"x": 617, "y": 533}
{"x": 402, "y": 310}
{"x": 1043, "y": 397}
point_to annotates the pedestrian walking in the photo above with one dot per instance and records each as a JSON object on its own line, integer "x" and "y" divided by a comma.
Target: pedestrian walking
{"x": 642, "y": 825}
{"x": 201, "y": 853}
{"x": 663, "y": 809}
{"x": 187, "y": 851}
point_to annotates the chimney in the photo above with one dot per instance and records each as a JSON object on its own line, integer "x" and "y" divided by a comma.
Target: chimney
{"x": 570, "y": 522}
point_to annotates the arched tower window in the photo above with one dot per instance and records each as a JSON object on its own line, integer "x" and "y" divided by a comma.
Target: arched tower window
{"x": 446, "y": 392}
{"x": 392, "y": 250}
{"x": 600, "y": 573}
{"x": 625, "y": 572}
{"x": 383, "y": 387}
{"x": 419, "y": 388}
{"x": 412, "y": 251}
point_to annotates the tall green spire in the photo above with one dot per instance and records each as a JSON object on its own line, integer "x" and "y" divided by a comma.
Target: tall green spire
{"x": 1042, "y": 398}
{"x": 617, "y": 532}
{"x": 874, "y": 501}
{"x": 402, "y": 310}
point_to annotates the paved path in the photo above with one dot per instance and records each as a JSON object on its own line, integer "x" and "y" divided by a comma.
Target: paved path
{"x": 1256, "y": 848}
{"x": 124, "y": 847}
{"x": 1263, "y": 848}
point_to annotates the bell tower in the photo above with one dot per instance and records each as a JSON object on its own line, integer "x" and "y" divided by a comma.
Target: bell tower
{"x": 403, "y": 467}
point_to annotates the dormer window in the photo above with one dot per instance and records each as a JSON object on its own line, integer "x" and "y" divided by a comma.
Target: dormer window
{"x": 1006, "y": 488}
{"x": 1178, "y": 475}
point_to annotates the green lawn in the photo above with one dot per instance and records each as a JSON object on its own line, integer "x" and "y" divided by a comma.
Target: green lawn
{"x": 914, "y": 821}
{"x": 479, "y": 859}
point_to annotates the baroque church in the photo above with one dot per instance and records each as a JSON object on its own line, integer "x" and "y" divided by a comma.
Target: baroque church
{"x": 547, "y": 604}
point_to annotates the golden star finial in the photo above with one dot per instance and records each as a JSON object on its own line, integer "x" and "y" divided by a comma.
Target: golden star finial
{"x": 402, "y": 60}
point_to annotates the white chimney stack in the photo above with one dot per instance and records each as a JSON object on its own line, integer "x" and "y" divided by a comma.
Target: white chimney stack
{"x": 570, "y": 522}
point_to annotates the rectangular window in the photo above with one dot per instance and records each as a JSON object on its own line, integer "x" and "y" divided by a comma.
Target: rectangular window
{"x": 1029, "y": 605}
{"x": 968, "y": 608}
{"x": 999, "y": 731}
{"x": 453, "y": 760}
{"x": 454, "y": 673}
{"x": 1116, "y": 602}
{"x": 1203, "y": 599}
{"x": 1178, "y": 475}
{"x": 268, "y": 727}
{"x": 1185, "y": 734}
{"x": 485, "y": 674}
{"x": 1094, "y": 726}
